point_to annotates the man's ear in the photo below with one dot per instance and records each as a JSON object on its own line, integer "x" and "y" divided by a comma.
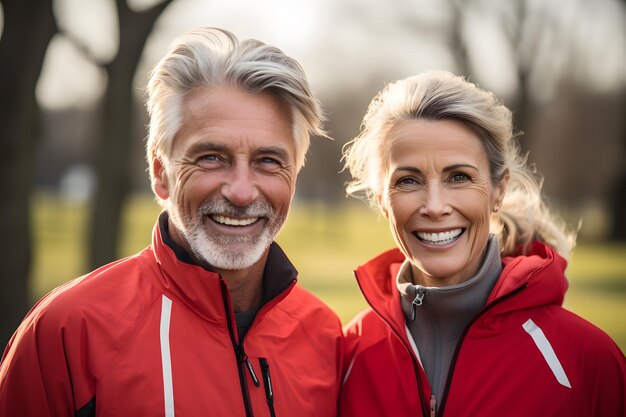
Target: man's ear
{"x": 159, "y": 179}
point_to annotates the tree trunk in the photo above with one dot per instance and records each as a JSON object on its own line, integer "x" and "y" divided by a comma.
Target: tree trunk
{"x": 113, "y": 155}
{"x": 618, "y": 197}
{"x": 28, "y": 29}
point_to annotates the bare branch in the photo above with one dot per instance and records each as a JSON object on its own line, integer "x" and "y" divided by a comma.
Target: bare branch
{"x": 82, "y": 47}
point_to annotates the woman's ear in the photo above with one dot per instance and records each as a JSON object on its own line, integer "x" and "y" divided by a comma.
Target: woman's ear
{"x": 501, "y": 188}
{"x": 382, "y": 206}
{"x": 159, "y": 179}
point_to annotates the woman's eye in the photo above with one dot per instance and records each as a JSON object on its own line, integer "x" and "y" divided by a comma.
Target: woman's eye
{"x": 459, "y": 177}
{"x": 405, "y": 181}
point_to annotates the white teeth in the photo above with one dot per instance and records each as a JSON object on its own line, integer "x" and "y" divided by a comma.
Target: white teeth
{"x": 229, "y": 221}
{"x": 440, "y": 238}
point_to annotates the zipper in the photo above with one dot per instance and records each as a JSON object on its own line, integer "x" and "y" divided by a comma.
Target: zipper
{"x": 242, "y": 358}
{"x": 417, "y": 301}
{"x": 433, "y": 405}
{"x": 444, "y": 397}
{"x": 245, "y": 360}
{"x": 416, "y": 366}
{"x": 267, "y": 382}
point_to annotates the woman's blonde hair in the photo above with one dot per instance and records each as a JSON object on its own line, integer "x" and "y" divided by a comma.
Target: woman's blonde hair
{"x": 439, "y": 95}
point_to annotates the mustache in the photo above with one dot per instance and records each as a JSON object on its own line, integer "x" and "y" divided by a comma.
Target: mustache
{"x": 222, "y": 206}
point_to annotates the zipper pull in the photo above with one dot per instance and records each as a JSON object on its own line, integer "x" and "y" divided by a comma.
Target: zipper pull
{"x": 265, "y": 370}
{"x": 269, "y": 391}
{"x": 243, "y": 357}
{"x": 433, "y": 405}
{"x": 417, "y": 301}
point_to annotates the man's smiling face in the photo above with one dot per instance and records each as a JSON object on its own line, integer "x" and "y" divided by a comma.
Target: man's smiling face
{"x": 230, "y": 177}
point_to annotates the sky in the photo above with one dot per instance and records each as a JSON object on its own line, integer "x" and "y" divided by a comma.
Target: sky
{"x": 352, "y": 42}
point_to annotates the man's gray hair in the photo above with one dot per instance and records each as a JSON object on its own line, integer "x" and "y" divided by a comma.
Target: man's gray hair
{"x": 211, "y": 57}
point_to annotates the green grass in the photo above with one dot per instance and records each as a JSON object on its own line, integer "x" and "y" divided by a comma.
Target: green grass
{"x": 325, "y": 245}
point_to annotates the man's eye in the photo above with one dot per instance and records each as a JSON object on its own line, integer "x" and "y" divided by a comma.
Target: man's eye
{"x": 269, "y": 161}
{"x": 209, "y": 158}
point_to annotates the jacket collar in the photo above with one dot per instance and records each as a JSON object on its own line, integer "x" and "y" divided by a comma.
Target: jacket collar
{"x": 200, "y": 287}
{"x": 539, "y": 268}
{"x": 376, "y": 279}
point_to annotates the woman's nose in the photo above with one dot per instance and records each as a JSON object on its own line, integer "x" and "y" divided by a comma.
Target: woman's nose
{"x": 435, "y": 204}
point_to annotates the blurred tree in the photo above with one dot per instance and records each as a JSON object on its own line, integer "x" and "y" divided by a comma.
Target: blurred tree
{"x": 28, "y": 28}
{"x": 618, "y": 197}
{"x": 113, "y": 155}
{"x": 522, "y": 41}
{"x": 618, "y": 194}
{"x": 457, "y": 41}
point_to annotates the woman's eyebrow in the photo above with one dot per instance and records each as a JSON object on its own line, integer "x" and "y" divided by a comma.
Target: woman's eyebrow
{"x": 408, "y": 168}
{"x": 457, "y": 166}
{"x": 446, "y": 169}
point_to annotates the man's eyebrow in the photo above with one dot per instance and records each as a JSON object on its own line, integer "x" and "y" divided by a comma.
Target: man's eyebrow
{"x": 202, "y": 147}
{"x": 274, "y": 150}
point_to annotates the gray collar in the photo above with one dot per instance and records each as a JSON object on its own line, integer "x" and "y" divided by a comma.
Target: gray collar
{"x": 464, "y": 299}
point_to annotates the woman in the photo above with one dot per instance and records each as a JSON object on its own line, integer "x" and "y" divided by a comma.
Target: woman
{"x": 466, "y": 316}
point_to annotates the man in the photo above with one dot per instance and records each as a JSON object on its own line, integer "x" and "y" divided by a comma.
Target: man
{"x": 208, "y": 320}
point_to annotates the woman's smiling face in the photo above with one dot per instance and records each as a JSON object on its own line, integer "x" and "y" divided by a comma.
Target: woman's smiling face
{"x": 438, "y": 197}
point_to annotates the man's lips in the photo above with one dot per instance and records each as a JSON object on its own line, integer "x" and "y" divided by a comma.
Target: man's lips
{"x": 232, "y": 221}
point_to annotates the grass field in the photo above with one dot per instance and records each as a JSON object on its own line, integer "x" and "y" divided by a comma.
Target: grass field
{"x": 325, "y": 245}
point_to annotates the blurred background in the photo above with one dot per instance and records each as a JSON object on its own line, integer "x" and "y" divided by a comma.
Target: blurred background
{"x": 72, "y": 126}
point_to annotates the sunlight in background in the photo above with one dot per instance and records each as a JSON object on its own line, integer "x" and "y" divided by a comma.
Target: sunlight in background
{"x": 490, "y": 54}
{"x": 93, "y": 23}
{"x": 68, "y": 78}
{"x": 296, "y": 28}
{"x": 354, "y": 42}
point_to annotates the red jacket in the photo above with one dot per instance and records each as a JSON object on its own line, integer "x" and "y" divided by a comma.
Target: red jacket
{"x": 153, "y": 336}
{"x": 522, "y": 355}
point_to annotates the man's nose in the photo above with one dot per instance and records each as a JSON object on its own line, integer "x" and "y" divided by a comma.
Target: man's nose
{"x": 240, "y": 187}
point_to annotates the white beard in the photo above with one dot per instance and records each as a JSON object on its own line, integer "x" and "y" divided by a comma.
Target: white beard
{"x": 215, "y": 249}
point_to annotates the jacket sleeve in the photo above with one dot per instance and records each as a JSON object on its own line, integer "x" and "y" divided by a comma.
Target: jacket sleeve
{"x": 35, "y": 372}
{"x": 604, "y": 394}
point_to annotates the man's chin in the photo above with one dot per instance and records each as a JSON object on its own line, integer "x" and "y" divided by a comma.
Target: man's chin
{"x": 232, "y": 262}
{"x": 231, "y": 256}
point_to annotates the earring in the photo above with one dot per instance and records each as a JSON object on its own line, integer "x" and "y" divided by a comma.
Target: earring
{"x": 496, "y": 207}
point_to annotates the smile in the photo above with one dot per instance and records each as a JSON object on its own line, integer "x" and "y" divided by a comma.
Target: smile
{"x": 230, "y": 221}
{"x": 440, "y": 238}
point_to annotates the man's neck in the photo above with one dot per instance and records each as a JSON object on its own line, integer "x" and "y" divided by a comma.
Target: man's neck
{"x": 245, "y": 285}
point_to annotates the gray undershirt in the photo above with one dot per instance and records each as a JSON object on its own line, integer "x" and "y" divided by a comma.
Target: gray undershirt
{"x": 444, "y": 313}
{"x": 244, "y": 320}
